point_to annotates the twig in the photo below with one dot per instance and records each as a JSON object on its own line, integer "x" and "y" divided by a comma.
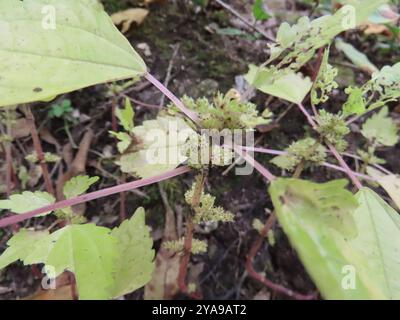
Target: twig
{"x": 268, "y": 283}
{"x": 244, "y": 20}
{"x": 140, "y": 103}
{"x": 38, "y": 148}
{"x": 169, "y": 70}
{"x": 93, "y": 195}
{"x": 9, "y": 166}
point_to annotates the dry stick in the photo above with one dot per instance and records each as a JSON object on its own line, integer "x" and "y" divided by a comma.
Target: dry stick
{"x": 254, "y": 274}
{"x": 114, "y": 125}
{"x": 169, "y": 70}
{"x": 93, "y": 195}
{"x": 239, "y": 16}
{"x": 38, "y": 148}
{"x": 9, "y": 167}
{"x": 343, "y": 163}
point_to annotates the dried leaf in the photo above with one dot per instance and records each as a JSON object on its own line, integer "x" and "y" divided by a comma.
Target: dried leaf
{"x": 127, "y": 17}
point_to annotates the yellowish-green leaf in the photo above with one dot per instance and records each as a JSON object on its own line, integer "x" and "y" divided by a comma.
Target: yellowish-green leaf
{"x": 20, "y": 245}
{"x": 86, "y": 250}
{"x": 27, "y": 201}
{"x": 126, "y": 116}
{"x": 378, "y": 241}
{"x": 63, "y": 45}
{"x": 381, "y": 129}
{"x": 290, "y": 86}
{"x": 162, "y": 147}
{"x": 358, "y": 58}
{"x": 125, "y": 140}
{"x": 78, "y": 185}
{"x": 135, "y": 263}
{"x": 389, "y": 182}
{"x": 319, "y": 221}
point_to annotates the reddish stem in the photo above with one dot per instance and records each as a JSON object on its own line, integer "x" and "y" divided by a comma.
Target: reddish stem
{"x": 190, "y": 114}
{"x": 114, "y": 125}
{"x": 344, "y": 165}
{"x": 249, "y": 159}
{"x": 186, "y": 258}
{"x": 8, "y": 167}
{"x": 93, "y": 195}
{"x": 268, "y": 283}
{"x": 39, "y": 150}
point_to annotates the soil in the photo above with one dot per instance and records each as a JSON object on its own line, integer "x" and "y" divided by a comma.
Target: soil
{"x": 206, "y": 61}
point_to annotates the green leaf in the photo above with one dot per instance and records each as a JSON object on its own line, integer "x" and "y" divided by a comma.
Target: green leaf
{"x": 78, "y": 185}
{"x": 378, "y": 241}
{"x": 86, "y": 250}
{"x": 27, "y": 201}
{"x": 81, "y": 48}
{"x": 259, "y": 11}
{"x": 358, "y": 58}
{"x": 325, "y": 81}
{"x": 381, "y": 129}
{"x": 125, "y": 140}
{"x": 327, "y": 252}
{"x": 318, "y": 219}
{"x": 161, "y": 148}
{"x": 389, "y": 182}
{"x": 135, "y": 263}
{"x": 20, "y": 245}
{"x": 364, "y": 9}
{"x": 355, "y": 103}
{"x": 126, "y": 116}
{"x": 297, "y": 44}
{"x": 290, "y": 86}
{"x": 226, "y": 112}
{"x": 307, "y": 149}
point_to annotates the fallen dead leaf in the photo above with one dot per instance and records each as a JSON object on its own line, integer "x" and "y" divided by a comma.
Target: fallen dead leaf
{"x": 164, "y": 284}
{"x": 46, "y": 136}
{"x": 127, "y": 17}
{"x": 372, "y": 28}
{"x": 62, "y": 291}
{"x": 20, "y": 129}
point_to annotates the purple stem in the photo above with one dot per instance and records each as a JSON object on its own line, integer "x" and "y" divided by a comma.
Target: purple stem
{"x": 92, "y": 196}
{"x": 343, "y": 163}
{"x": 192, "y": 115}
{"x": 325, "y": 164}
{"x": 249, "y": 159}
